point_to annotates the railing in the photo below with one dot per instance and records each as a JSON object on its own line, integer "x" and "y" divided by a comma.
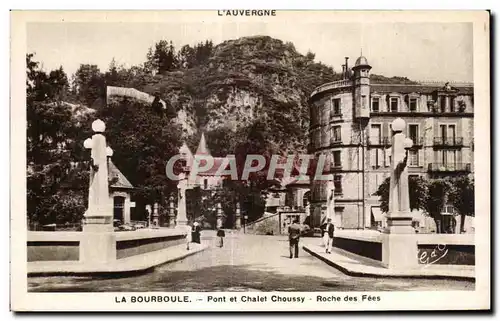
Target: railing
{"x": 376, "y": 140}
{"x": 448, "y": 141}
{"x": 417, "y": 141}
{"x": 449, "y": 167}
{"x": 332, "y": 85}
{"x": 335, "y": 115}
{"x": 335, "y": 141}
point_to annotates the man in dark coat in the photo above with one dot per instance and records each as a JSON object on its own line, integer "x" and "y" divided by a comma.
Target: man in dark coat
{"x": 293, "y": 238}
{"x": 328, "y": 237}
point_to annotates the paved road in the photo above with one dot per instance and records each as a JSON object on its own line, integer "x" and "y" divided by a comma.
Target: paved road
{"x": 245, "y": 263}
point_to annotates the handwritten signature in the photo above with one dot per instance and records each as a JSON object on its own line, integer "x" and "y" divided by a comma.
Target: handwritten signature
{"x": 437, "y": 254}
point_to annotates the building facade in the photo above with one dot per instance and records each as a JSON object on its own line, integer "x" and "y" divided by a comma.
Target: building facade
{"x": 351, "y": 123}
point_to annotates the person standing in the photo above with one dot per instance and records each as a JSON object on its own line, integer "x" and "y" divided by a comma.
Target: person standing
{"x": 328, "y": 235}
{"x": 220, "y": 237}
{"x": 293, "y": 238}
{"x": 189, "y": 236}
{"x": 195, "y": 234}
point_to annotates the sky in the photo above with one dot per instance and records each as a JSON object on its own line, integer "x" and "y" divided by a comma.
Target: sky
{"x": 419, "y": 51}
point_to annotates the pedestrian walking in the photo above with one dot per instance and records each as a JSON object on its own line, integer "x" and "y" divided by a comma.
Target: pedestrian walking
{"x": 294, "y": 231}
{"x": 220, "y": 237}
{"x": 328, "y": 235}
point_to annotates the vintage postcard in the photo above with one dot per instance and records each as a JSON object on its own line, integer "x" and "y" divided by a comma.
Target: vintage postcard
{"x": 250, "y": 160}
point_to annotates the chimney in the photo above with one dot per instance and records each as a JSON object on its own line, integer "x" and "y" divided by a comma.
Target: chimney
{"x": 343, "y": 71}
{"x": 346, "y": 65}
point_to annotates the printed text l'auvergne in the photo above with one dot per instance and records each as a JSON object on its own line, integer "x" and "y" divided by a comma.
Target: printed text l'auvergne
{"x": 247, "y": 13}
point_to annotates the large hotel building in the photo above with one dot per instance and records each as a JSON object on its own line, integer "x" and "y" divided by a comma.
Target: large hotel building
{"x": 351, "y": 120}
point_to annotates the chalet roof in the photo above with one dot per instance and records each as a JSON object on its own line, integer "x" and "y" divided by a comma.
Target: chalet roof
{"x": 115, "y": 174}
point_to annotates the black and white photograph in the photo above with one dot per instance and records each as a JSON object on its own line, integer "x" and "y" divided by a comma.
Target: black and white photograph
{"x": 250, "y": 160}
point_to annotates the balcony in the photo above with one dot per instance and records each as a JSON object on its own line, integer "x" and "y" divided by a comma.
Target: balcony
{"x": 335, "y": 141}
{"x": 335, "y": 166}
{"x": 334, "y": 115}
{"x": 448, "y": 141}
{"x": 417, "y": 141}
{"x": 344, "y": 83}
{"x": 450, "y": 167}
{"x": 379, "y": 141}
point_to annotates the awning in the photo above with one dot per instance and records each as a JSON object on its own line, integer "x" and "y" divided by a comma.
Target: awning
{"x": 377, "y": 214}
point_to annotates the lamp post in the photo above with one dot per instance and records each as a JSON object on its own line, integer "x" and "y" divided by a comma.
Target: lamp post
{"x": 98, "y": 243}
{"x": 99, "y": 216}
{"x": 399, "y": 250}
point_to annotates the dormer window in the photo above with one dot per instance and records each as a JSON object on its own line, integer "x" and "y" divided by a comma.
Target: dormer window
{"x": 413, "y": 103}
{"x": 393, "y": 102}
{"x": 375, "y": 104}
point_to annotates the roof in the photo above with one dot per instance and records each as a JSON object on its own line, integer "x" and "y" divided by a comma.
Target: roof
{"x": 218, "y": 161}
{"x": 202, "y": 146}
{"x": 417, "y": 88}
{"x": 114, "y": 174}
{"x": 361, "y": 61}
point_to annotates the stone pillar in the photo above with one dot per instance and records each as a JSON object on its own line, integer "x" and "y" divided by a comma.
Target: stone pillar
{"x": 99, "y": 216}
{"x": 219, "y": 216}
{"x": 399, "y": 245}
{"x": 155, "y": 216}
{"x": 447, "y": 103}
{"x": 181, "y": 201}
{"x": 98, "y": 242}
{"x": 399, "y": 217}
{"x": 237, "y": 223}
{"x": 171, "y": 212}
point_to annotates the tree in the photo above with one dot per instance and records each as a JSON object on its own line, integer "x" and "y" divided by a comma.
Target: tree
{"x": 461, "y": 196}
{"x": 163, "y": 58}
{"x": 418, "y": 188}
{"x": 436, "y": 200}
{"x": 143, "y": 142}
{"x": 55, "y": 190}
{"x": 90, "y": 84}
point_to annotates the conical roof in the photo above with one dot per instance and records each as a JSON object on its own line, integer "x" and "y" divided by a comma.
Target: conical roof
{"x": 202, "y": 146}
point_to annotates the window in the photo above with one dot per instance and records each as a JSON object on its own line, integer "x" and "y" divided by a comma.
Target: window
{"x": 376, "y": 136}
{"x": 337, "y": 159}
{"x": 337, "y": 182}
{"x": 376, "y": 157}
{"x": 375, "y": 105}
{"x": 452, "y": 107}
{"x": 363, "y": 101}
{"x": 413, "y": 157}
{"x": 413, "y": 133}
{"x": 394, "y": 104}
{"x": 335, "y": 107}
{"x": 443, "y": 104}
{"x": 205, "y": 183}
{"x": 413, "y": 104}
{"x": 336, "y": 134}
